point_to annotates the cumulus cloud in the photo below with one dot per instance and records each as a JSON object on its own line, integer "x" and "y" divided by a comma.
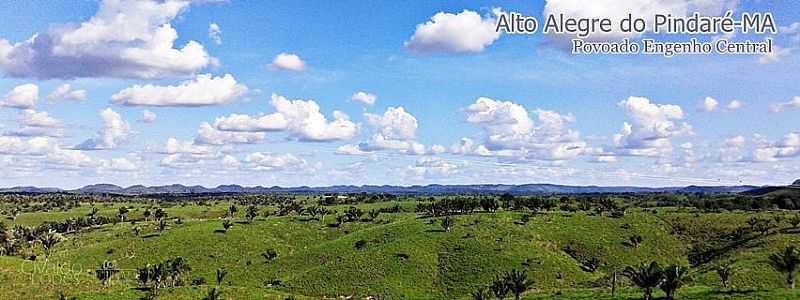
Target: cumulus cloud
{"x": 396, "y": 129}
{"x": 734, "y": 105}
{"x": 509, "y": 131}
{"x": 288, "y": 62}
{"x": 215, "y": 33}
{"x": 789, "y": 146}
{"x": 616, "y": 10}
{"x": 432, "y": 167}
{"x": 208, "y": 135}
{"x": 148, "y": 116}
{"x": 115, "y": 130}
{"x": 34, "y": 123}
{"x": 464, "y": 32}
{"x": 204, "y": 90}
{"x": 653, "y": 126}
{"x": 732, "y": 149}
{"x": 364, "y": 98}
{"x": 125, "y": 38}
{"x": 264, "y": 161}
{"x": 302, "y": 119}
{"x": 21, "y": 96}
{"x": 791, "y": 104}
{"x": 66, "y": 92}
{"x": 709, "y": 104}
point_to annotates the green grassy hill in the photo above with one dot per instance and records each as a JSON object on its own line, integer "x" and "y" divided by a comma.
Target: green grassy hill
{"x": 402, "y": 256}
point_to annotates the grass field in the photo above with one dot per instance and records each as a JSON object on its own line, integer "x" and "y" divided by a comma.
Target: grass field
{"x": 400, "y": 255}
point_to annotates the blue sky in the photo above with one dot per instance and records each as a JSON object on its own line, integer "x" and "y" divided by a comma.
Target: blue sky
{"x": 451, "y": 105}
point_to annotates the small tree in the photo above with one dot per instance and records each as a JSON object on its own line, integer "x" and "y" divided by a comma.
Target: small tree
{"x": 123, "y": 213}
{"x": 674, "y": 278}
{"x": 646, "y": 277}
{"x": 634, "y": 241}
{"x": 481, "y": 294}
{"x": 269, "y": 255}
{"x": 213, "y": 294}
{"x": 725, "y": 273}
{"x": 137, "y": 230}
{"x": 447, "y": 223}
{"x": 106, "y": 271}
{"x": 227, "y": 224}
{"x": 232, "y": 210}
{"x": 252, "y": 213}
{"x": 49, "y": 240}
{"x": 499, "y": 287}
{"x": 220, "y": 276}
{"x": 146, "y": 214}
{"x": 162, "y": 225}
{"x": 518, "y": 282}
{"x": 786, "y": 262}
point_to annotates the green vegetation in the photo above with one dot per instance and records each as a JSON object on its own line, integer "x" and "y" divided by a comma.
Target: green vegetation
{"x": 659, "y": 246}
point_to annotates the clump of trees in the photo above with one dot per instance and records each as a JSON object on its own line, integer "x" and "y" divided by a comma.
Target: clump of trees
{"x": 169, "y": 273}
{"x": 511, "y": 282}
{"x": 648, "y": 277}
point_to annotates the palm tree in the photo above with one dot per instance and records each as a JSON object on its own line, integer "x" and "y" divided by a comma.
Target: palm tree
{"x": 725, "y": 273}
{"x": 227, "y": 224}
{"x": 123, "y": 213}
{"x": 160, "y": 214}
{"x": 232, "y": 210}
{"x": 220, "y": 276}
{"x": 447, "y": 223}
{"x": 481, "y": 294}
{"x": 499, "y": 288}
{"x": 518, "y": 282}
{"x": 49, "y": 240}
{"x": 674, "y": 278}
{"x": 786, "y": 262}
{"x": 106, "y": 271}
{"x": 213, "y": 294}
{"x": 646, "y": 277}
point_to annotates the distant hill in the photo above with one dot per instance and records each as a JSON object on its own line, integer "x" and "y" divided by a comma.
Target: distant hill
{"x": 432, "y": 189}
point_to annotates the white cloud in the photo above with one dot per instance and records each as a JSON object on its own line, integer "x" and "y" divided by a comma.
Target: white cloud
{"x": 148, "y": 116}
{"x": 464, "y": 32}
{"x": 789, "y": 146}
{"x": 12, "y": 145}
{"x": 175, "y": 146}
{"x": 125, "y": 38}
{"x": 230, "y": 163}
{"x": 791, "y": 104}
{"x": 21, "y": 96}
{"x": 364, "y": 98}
{"x": 65, "y": 92}
{"x": 709, "y": 104}
{"x": 33, "y": 123}
{"x": 351, "y": 149}
{"x": 653, "y": 127}
{"x": 264, "y": 161}
{"x": 734, "y": 105}
{"x": 432, "y": 167}
{"x": 509, "y": 131}
{"x": 209, "y": 135}
{"x": 204, "y": 90}
{"x": 215, "y": 33}
{"x": 121, "y": 164}
{"x": 115, "y": 130}
{"x": 732, "y": 149}
{"x": 394, "y": 124}
{"x": 288, "y": 62}
{"x": 302, "y": 119}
